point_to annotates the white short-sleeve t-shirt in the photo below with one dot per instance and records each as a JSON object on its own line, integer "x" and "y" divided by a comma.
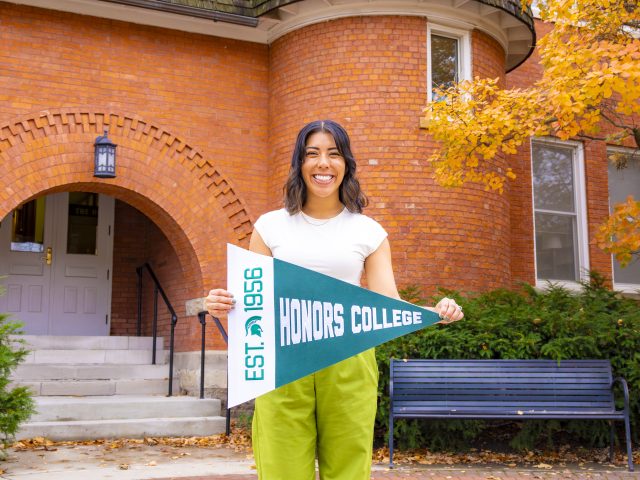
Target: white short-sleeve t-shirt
{"x": 336, "y": 247}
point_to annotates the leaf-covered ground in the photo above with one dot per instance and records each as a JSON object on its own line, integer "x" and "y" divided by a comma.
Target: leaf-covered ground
{"x": 240, "y": 441}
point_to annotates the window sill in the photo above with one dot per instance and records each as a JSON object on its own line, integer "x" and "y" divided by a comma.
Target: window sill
{"x": 631, "y": 290}
{"x": 572, "y": 286}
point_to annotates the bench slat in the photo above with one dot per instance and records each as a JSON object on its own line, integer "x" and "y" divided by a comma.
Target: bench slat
{"x": 512, "y": 414}
{"x": 502, "y": 383}
{"x": 500, "y": 362}
{"x": 505, "y": 401}
{"x": 578, "y": 389}
{"x": 493, "y": 366}
{"x": 484, "y": 397}
{"x": 496, "y": 374}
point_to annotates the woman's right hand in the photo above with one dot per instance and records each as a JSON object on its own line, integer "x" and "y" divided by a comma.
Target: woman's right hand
{"x": 219, "y": 302}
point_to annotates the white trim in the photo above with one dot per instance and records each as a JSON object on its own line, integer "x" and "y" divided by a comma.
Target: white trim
{"x": 507, "y": 30}
{"x": 580, "y": 202}
{"x": 464, "y": 54}
{"x": 154, "y": 18}
{"x": 633, "y": 288}
{"x": 542, "y": 285}
{"x": 312, "y": 12}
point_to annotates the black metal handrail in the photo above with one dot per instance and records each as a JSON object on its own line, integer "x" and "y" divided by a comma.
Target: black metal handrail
{"x": 202, "y": 316}
{"x": 157, "y": 288}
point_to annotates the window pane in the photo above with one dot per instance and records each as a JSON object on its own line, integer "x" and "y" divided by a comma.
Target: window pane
{"x": 444, "y": 61}
{"x": 83, "y": 223}
{"x": 556, "y": 249}
{"x": 622, "y": 183}
{"x": 553, "y": 178}
{"x": 27, "y": 229}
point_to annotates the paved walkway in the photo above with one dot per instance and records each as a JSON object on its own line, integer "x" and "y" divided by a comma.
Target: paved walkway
{"x": 164, "y": 462}
{"x": 461, "y": 473}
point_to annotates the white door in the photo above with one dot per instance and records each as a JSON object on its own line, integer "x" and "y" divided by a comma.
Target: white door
{"x": 57, "y": 254}
{"x": 24, "y": 274}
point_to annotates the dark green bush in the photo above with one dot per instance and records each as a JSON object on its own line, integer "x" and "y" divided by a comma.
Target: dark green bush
{"x": 594, "y": 323}
{"x": 16, "y": 404}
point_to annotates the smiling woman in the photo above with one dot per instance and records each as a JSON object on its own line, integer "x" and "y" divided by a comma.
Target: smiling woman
{"x": 323, "y": 149}
{"x": 322, "y": 171}
{"x": 331, "y": 412}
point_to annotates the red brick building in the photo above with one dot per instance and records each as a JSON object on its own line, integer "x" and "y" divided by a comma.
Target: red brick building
{"x": 203, "y": 100}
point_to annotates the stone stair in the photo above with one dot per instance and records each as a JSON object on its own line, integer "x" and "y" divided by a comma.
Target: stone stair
{"x": 106, "y": 387}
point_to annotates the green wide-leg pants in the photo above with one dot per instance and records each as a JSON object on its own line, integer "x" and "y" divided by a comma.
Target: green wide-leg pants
{"x": 330, "y": 412}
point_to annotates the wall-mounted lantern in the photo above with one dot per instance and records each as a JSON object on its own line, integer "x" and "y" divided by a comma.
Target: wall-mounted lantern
{"x": 104, "y": 157}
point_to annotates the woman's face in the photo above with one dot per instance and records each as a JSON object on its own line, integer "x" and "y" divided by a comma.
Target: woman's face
{"x": 323, "y": 167}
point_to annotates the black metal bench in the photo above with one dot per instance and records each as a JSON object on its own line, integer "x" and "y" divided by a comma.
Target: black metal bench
{"x": 506, "y": 389}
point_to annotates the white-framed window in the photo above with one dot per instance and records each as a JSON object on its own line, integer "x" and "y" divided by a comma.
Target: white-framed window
{"x": 448, "y": 57}
{"x": 622, "y": 183}
{"x": 560, "y": 212}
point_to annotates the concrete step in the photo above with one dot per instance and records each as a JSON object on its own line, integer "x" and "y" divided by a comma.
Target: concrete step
{"x": 56, "y": 409}
{"x": 69, "y": 342}
{"x": 94, "y": 356}
{"x": 99, "y": 387}
{"x": 124, "y": 428}
{"x": 34, "y": 371}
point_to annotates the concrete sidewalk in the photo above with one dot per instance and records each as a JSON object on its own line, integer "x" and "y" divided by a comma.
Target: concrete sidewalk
{"x": 142, "y": 461}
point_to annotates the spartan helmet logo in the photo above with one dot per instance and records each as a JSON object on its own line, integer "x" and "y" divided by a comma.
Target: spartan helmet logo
{"x": 253, "y": 327}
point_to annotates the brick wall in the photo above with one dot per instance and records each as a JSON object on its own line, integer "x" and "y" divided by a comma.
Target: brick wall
{"x": 369, "y": 73}
{"x": 138, "y": 240}
{"x": 188, "y": 112}
{"x": 130, "y": 244}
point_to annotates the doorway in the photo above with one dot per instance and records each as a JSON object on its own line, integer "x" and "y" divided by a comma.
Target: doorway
{"x": 56, "y": 254}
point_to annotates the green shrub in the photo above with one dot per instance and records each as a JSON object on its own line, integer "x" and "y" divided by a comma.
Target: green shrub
{"x": 16, "y": 404}
{"x": 594, "y": 323}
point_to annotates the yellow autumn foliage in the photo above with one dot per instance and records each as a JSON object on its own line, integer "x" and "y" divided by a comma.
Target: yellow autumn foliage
{"x": 621, "y": 234}
{"x": 591, "y": 78}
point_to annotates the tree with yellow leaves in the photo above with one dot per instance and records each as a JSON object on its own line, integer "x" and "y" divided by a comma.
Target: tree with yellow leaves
{"x": 590, "y": 88}
{"x": 621, "y": 234}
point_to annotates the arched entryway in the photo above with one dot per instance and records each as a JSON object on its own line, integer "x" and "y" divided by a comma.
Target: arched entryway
{"x": 192, "y": 204}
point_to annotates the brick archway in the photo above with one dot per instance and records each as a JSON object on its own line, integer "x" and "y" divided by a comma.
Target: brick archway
{"x": 159, "y": 173}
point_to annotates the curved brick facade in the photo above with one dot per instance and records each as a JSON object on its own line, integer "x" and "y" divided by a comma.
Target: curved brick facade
{"x": 161, "y": 175}
{"x": 369, "y": 73}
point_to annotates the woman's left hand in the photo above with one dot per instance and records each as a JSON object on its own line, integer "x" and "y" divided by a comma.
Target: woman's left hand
{"x": 449, "y": 310}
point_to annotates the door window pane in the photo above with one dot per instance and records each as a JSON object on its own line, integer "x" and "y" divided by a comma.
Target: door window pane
{"x": 444, "y": 62}
{"x": 27, "y": 229}
{"x": 82, "y": 229}
{"x": 556, "y": 246}
{"x": 622, "y": 183}
{"x": 553, "y": 180}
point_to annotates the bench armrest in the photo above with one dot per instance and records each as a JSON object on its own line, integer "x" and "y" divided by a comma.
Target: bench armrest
{"x": 625, "y": 390}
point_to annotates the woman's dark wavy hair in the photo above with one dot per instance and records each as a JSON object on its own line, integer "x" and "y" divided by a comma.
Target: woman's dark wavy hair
{"x": 295, "y": 190}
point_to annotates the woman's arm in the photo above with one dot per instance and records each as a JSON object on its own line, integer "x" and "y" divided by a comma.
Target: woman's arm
{"x": 257, "y": 245}
{"x": 379, "y": 271}
{"x": 380, "y": 279}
